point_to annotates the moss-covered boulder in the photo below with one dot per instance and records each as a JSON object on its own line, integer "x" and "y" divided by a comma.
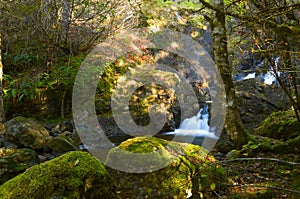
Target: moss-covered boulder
{"x": 15, "y": 161}
{"x": 61, "y": 144}
{"x": 280, "y": 125}
{"x": 26, "y": 132}
{"x": 190, "y": 168}
{"x": 72, "y": 175}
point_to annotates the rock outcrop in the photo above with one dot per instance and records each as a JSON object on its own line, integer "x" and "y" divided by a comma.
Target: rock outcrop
{"x": 257, "y": 101}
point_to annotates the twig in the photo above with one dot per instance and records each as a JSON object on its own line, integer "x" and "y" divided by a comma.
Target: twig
{"x": 267, "y": 187}
{"x": 269, "y": 159}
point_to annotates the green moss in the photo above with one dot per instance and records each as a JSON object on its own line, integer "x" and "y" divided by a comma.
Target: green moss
{"x": 73, "y": 175}
{"x": 143, "y": 144}
{"x": 61, "y": 144}
{"x": 15, "y": 161}
{"x": 187, "y": 162}
{"x": 280, "y": 125}
{"x": 296, "y": 184}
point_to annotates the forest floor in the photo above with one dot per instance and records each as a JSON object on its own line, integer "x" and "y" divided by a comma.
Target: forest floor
{"x": 265, "y": 176}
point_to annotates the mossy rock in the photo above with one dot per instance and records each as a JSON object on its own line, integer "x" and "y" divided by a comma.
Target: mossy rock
{"x": 190, "y": 168}
{"x": 260, "y": 144}
{"x": 73, "y": 175}
{"x": 290, "y": 146}
{"x": 280, "y": 125}
{"x": 61, "y": 144}
{"x": 265, "y": 194}
{"x": 26, "y": 132}
{"x": 15, "y": 161}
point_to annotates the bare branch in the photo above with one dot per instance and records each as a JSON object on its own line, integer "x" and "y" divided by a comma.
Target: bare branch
{"x": 260, "y": 159}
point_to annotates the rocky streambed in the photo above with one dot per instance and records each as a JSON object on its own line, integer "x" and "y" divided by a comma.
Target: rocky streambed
{"x": 36, "y": 163}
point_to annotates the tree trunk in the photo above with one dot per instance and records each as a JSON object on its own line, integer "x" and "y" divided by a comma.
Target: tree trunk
{"x": 65, "y": 21}
{"x": 233, "y": 123}
{"x": 2, "y": 114}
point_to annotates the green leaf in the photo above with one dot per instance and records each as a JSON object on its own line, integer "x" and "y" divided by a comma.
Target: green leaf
{"x": 213, "y": 186}
{"x": 253, "y": 146}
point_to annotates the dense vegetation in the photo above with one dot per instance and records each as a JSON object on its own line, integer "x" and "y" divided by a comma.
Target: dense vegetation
{"x": 43, "y": 44}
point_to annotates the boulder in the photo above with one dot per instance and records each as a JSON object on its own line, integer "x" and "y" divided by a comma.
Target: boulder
{"x": 190, "y": 169}
{"x": 257, "y": 100}
{"x": 280, "y": 125}
{"x": 72, "y": 175}
{"x": 26, "y": 132}
{"x": 61, "y": 144}
{"x": 15, "y": 161}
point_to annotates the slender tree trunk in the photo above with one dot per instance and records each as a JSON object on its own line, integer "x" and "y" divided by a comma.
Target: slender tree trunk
{"x": 65, "y": 16}
{"x": 233, "y": 123}
{"x": 2, "y": 114}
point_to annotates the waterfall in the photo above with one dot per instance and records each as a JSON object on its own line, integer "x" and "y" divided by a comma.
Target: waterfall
{"x": 198, "y": 122}
{"x": 268, "y": 78}
{"x": 196, "y": 126}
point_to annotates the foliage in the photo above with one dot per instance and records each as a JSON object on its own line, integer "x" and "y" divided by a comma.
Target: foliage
{"x": 44, "y": 43}
{"x": 70, "y": 26}
{"x": 23, "y": 87}
{"x": 113, "y": 72}
{"x": 266, "y": 33}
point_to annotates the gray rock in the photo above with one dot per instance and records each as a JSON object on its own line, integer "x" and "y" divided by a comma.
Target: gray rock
{"x": 26, "y": 132}
{"x": 257, "y": 101}
{"x": 66, "y": 126}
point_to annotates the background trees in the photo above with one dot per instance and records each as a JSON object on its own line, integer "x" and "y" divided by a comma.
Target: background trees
{"x": 274, "y": 29}
{"x": 44, "y": 43}
{"x": 265, "y": 29}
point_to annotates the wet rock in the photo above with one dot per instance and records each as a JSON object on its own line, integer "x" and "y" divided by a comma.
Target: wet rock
{"x": 15, "y": 161}
{"x": 75, "y": 137}
{"x": 7, "y": 144}
{"x": 49, "y": 127}
{"x": 109, "y": 125}
{"x": 61, "y": 144}
{"x": 257, "y": 100}
{"x": 72, "y": 175}
{"x": 187, "y": 166}
{"x": 55, "y": 131}
{"x": 26, "y": 132}
{"x": 66, "y": 126}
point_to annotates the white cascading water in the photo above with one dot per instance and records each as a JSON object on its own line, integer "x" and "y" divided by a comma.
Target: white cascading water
{"x": 196, "y": 125}
{"x": 267, "y": 78}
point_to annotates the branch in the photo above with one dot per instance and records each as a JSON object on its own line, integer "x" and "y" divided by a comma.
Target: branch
{"x": 267, "y": 187}
{"x": 253, "y": 17}
{"x": 269, "y": 159}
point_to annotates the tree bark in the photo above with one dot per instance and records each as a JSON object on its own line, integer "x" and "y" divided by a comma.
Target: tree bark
{"x": 2, "y": 113}
{"x": 233, "y": 123}
{"x": 66, "y": 16}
